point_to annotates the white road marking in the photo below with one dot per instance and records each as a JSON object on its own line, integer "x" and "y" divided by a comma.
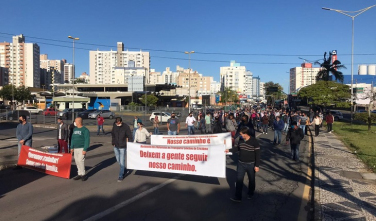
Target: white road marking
{"x": 131, "y": 200}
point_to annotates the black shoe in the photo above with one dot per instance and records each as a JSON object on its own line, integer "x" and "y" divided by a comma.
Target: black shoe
{"x": 84, "y": 178}
{"x": 236, "y": 199}
{"x": 17, "y": 167}
{"x": 78, "y": 177}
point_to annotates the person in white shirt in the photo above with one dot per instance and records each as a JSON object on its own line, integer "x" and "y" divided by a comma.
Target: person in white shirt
{"x": 190, "y": 121}
{"x": 141, "y": 134}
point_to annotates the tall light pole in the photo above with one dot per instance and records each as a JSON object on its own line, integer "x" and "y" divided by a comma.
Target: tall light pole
{"x": 347, "y": 13}
{"x": 189, "y": 79}
{"x": 74, "y": 73}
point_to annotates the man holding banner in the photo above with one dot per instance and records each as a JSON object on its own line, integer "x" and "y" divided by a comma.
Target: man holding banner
{"x": 249, "y": 161}
{"x": 80, "y": 144}
{"x": 24, "y": 134}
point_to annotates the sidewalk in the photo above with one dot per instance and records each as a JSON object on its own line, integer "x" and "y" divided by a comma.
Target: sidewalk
{"x": 344, "y": 188}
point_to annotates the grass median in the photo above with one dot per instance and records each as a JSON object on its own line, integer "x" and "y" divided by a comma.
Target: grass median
{"x": 357, "y": 138}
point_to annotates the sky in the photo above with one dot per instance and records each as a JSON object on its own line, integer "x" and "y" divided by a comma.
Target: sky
{"x": 267, "y": 37}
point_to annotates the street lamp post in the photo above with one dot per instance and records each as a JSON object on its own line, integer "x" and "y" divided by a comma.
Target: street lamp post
{"x": 189, "y": 80}
{"x": 74, "y": 73}
{"x": 347, "y": 13}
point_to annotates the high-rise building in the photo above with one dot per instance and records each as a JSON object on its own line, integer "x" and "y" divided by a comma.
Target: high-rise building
{"x": 248, "y": 84}
{"x": 302, "y": 76}
{"x": 215, "y": 87}
{"x": 22, "y": 61}
{"x": 255, "y": 87}
{"x": 57, "y": 65}
{"x": 262, "y": 90}
{"x": 4, "y": 76}
{"x": 233, "y": 77}
{"x": 68, "y": 72}
{"x": 198, "y": 83}
{"x": 103, "y": 63}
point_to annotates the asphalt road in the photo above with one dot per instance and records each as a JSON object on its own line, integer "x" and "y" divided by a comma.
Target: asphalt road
{"x": 143, "y": 195}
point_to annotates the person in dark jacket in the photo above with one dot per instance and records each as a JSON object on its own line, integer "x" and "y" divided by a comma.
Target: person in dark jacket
{"x": 62, "y": 136}
{"x": 294, "y": 136}
{"x": 249, "y": 162}
{"x": 245, "y": 123}
{"x": 217, "y": 126}
{"x": 278, "y": 127}
{"x": 71, "y": 128}
{"x": 121, "y": 134}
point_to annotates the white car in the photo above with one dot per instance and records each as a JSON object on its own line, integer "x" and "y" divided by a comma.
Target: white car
{"x": 33, "y": 110}
{"x": 162, "y": 116}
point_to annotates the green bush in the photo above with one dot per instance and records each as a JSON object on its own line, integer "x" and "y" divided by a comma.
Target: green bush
{"x": 364, "y": 117}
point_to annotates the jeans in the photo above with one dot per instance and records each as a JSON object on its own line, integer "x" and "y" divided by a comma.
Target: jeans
{"x": 134, "y": 132}
{"x": 120, "y": 158}
{"x": 99, "y": 128}
{"x": 27, "y": 143}
{"x": 317, "y": 130}
{"x": 191, "y": 130}
{"x": 156, "y": 130}
{"x": 295, "y": 151}
{"x": 265, "y": 128}
{"x": 243, "y": 168}
{"x": 277, "y": 135}
{"x": 172, "y": 132}
{"x": 330, "y": 127}
{"x": 303, "y": 128}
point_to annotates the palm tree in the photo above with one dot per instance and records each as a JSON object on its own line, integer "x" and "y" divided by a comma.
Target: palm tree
{"x": 329, "y": 67}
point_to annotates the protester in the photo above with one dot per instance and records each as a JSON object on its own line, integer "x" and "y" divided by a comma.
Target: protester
{"x": 258, "y": 122}
{"x": 100, "y": 121}
{"x": 24, "y": 134}
{"x": 317, "y": 123}
{"x": 278, "y": 127}
{"x": 311, "y": 115}
{"x": 79, "y": 146}
{"x": 249, "y": 161}
{"x": 231, "y": 125}
{"x": 156, "y": 125}
{"x": 62, "y": 136}
{"x": 190, "y": 122}
{"x": 322, "y": 118}
{"x": 265, "y": 122}
{"x": 121, "y": 134}
{"x": 286, "y": 120}
{"x": 202, "y": 125}
{"x": 217, "y": 126}
{"x": 141, "y": 134}
{"x": 208, "y": 128}
{"x": 294, "y": 136}
{"x": 135, "y": 125}
{"x": 303, "y": 122}
{"x": 173, "y": 125}
{"x": 329, "y": 121}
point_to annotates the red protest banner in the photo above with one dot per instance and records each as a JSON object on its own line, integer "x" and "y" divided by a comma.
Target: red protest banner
{"x": 56, "y": 164}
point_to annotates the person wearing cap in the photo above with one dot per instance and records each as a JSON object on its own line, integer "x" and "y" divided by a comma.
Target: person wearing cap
{"x": 294, "y": 136}
{"x": 141, "y": 134}
{"x": 173, "y": 125}
{"x": 62, "y": 136}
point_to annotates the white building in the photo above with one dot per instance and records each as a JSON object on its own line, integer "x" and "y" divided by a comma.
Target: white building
{"x": 132, "y": 76}
{"x": 155, "y": 77}
{"x": 22, "y": 62}
{"x": 103, "y": 63}
{"x": 233, "y": 76}
{"x": 85, "y": 77}
{"x": 215, "y": 87}
{"x": 255, "y": 87}
{"x": 262, "y": 90}
{"x": 248, "y": 88}
{"x": 68, "y": 72}
{"x": 302, "y": 76}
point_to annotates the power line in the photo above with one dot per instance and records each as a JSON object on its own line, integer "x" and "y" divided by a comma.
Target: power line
{"x": 176, "y": 51}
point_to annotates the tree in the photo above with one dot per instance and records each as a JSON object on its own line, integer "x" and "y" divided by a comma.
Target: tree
{"x": 326, "y": 93}
{"x": 22, "y": 93}
{"x": 151, "y": 100}
{"x": 329, "y": 67}
{"x": 228, "y": 95}
{"x": 6, "y": 92}
{"x": 272, "y": 95}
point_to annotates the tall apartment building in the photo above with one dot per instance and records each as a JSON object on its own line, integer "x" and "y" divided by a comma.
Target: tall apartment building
{"x": 215, "y": 87}
{"x": 233, "y": 76}
{"x": 4, "y": 76}
{"x": 262, "y": 90}
{"x": 22, "y": 61}
{"x": 57, "y": 65}
{"x": 103, "y": 63}
{"x": 248, "y": 84}
{"x": 255, "y": 87}
{"x": 199, "y": 83}
{"x": 69, "y": 72}
{"x": 302, "y": 76}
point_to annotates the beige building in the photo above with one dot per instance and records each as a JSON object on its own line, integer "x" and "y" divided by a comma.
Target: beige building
{"x": 199, "y": 83}
{"x": 155, "y": 77}
{"x": 22, "y": 61}
{"x": 57, "y": 65}
{"x": 103, "y": 63}
{"x": 302, "y": 76}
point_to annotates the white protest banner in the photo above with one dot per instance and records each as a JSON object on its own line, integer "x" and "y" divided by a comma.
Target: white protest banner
{"x": 202, "y": 139}
{"x": 208, "y": 160}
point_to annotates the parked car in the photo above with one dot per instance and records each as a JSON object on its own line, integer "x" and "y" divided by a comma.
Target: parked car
{"x": 14, "y": 115}
{"x": 162, "y": 116}
{"x": 67, "y": 113}
{"x": 337, "y": 115}
{"x": 103, "y": 113}
{"x": 361, "y": 111}
{"x": 32, "y": 109}
{"x": 85, "y": 114}
{"x": 50, "y": 112}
